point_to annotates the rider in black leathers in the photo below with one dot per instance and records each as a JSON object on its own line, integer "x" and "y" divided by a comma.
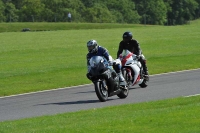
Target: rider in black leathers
{"x": 133, "y": 46}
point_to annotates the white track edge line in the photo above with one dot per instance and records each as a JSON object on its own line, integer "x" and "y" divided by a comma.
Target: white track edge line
{"x": 192, "y": 95}
{"x": 43, "y": 91}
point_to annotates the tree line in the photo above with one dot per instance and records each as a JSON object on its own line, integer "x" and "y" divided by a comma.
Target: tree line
{"x": 160, "y": 12}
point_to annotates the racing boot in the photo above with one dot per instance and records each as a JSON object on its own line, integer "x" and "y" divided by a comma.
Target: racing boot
{"x": 145, "y": 70}
{"x": 146, "y": 74}
{"x": 122, "y": 81}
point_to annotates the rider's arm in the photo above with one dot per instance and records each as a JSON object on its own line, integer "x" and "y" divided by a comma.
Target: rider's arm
{"x": 138, "y": 50}
{"x": 120, "y": 49}
{"x": 107, "y": 56}
{"x": 105, "y": 53}
{"x": 88, "y": 64}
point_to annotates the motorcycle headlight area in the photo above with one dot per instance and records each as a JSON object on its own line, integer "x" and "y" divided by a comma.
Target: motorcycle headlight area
{"x": 95, "y": 61}
{"x": 97, "y": 65}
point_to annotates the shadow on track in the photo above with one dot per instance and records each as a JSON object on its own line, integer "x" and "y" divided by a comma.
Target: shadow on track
{"x": 133, "y": 88}
{"x": 81, "y": 101}
{"x": 85, "y": 92}
{"x": 74, "y": 102}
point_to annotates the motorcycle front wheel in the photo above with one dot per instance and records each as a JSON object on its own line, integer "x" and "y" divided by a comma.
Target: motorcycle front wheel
{"x": 101, "y": 91}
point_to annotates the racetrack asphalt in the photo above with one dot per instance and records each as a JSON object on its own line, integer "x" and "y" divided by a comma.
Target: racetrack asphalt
{"x": 71, "y": 99}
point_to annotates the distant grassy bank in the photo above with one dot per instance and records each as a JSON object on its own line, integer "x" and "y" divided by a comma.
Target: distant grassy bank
{"x": 34, "y": 61}
{"x": 44, "y": 26}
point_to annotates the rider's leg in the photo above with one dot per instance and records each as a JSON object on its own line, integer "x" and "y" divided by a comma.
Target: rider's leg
{"x": 143, "y": 62}
{"x": 144, "y": 67}
{"x": 117, "y": 68}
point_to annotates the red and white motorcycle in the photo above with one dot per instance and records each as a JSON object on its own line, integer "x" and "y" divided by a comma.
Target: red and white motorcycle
{"x": 132, "y": 69}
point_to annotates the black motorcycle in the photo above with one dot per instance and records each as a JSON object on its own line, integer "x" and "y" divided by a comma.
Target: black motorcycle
{"x": 105, "y": 79}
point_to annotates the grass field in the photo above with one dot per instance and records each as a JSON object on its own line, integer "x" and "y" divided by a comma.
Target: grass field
{"x": 35, "y": 61}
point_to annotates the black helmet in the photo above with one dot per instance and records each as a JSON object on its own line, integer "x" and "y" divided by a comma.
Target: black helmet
{"x": 127, "y": 36}
{"x": 92, "y": 46}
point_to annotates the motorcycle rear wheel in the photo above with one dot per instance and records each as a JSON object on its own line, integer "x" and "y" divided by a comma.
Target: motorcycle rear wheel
{"x": 101, "y": 91}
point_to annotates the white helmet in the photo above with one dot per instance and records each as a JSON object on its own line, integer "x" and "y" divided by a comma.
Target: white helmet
{"x": 92, "y": 46}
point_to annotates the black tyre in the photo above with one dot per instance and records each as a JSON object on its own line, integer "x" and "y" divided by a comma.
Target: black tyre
{"x": 101, "y": 92}
{"x": 124, "y": 93}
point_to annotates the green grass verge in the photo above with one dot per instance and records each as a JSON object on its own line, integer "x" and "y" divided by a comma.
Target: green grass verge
{"x": 35, "y": 61}
{"x": 180, "y": 115}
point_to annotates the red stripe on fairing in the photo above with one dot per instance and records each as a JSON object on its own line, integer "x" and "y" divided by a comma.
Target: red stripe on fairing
{"x": 123, "y": 60}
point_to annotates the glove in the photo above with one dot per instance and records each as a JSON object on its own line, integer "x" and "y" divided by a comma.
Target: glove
{"x": 139, "y": 57}
{"x": 110, "y": 63}
{"x": 89, "y": 76}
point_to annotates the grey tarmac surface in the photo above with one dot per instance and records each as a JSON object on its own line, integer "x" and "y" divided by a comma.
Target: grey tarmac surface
{"x": 163, "y": 86}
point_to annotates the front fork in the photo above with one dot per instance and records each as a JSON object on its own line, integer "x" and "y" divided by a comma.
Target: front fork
{"x": 103, "y": 82}
{"x": 129, "y": 74}
{"x": 128, "y": 71}
{"x": 104, "y": 85}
